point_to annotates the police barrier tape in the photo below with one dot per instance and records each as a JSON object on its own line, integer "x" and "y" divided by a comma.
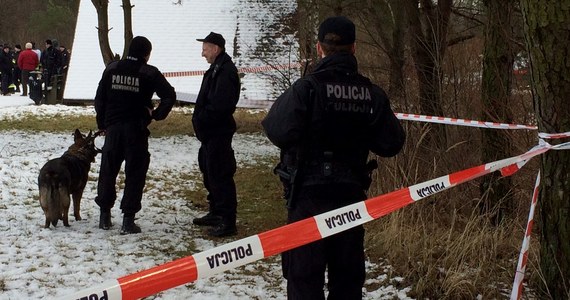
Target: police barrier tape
{"x": 517, "y": 290}
{"x": 462, "y": 122}
{"x": 240, "y": 70}
{"x": 266, "y": 104}
{"x": 554, "y": 135}
{"x": 275, "y": 241}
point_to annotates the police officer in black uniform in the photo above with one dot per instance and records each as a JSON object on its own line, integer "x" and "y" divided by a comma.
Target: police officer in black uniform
{"x": 325, "y": 126}
{"x": 51, "y": 62}
{"x": 124, "y": 110}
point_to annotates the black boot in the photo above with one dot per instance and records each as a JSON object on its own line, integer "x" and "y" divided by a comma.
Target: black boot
{"x": 208, "y": 220}
{"x": 223, "y": 229}
{"x": 129, "y": 226}
{"x": 105, "y": 220}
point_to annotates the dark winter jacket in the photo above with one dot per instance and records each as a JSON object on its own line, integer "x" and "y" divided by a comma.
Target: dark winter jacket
{"x": 64, "y": 60}
{"x": 51, "y": 60}
{"x": 6, "y": 64}
{"x": 334, "y": 115}
{"x": 125, "y": 93}
{"x": 15, "y": 56}
{"x": 217, "y": 100}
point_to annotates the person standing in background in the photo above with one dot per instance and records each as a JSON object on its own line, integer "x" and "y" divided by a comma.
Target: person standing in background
{"x": 65, "y": 55}
{"x": 6, "y": 67}
{"x": 215, "y": 126}
{"x": 51, "y": 62}
{"x": 64, "y": 59}
{"x": 37, "y": 51}
{"x": 27, "y": 61}
{"x": 17, "y": 73}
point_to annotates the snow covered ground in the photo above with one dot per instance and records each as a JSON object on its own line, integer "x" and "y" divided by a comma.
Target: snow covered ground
{"x": 38, "y": 263}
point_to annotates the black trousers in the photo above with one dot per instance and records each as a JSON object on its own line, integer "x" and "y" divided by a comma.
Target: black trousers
{"x": 126, "y": 142}
{"x": 25, "y": 81}
{"x": 342, "y": 254}
{"x": 6, "y": 81}
{"x": 16, "y": 76}
{"x": 218, "y": 165}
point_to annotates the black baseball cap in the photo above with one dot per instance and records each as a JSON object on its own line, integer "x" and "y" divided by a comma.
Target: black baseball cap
{"x": 337, "y": 31}
{"x": 214, "y": 38}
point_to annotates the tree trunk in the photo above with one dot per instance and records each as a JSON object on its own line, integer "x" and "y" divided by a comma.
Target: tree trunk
{"x": 128, "y": 24}
{"x": 428, "y": 33}
{"x": 103, "y": 29}
{"x": 496, "y": 193}
{"x": 387, "y": 22}
{"x": 547, "y": 33}
{"x": 308, "y": 22}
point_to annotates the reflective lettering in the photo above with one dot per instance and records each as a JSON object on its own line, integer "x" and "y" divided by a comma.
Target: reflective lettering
{"x": 229, "y": 256}
{"x": 343, "y": 219}
{"x": 352, "y": 107}
{"x": 125, "y": 83}
{"x": 95, "y": 297}
{"x": 348, "y": 92}
{"x": 430, "y": 190}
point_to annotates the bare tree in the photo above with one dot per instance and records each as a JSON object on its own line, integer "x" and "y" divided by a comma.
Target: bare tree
{"x": 384, "y": 21}
{"x": 308, "y": 11}
{"x": 128, "y": 24}
{"x": 102, "y": 7}
{"x": 428, "y": 28}
{"x": 495, "y": 95}
{"x": 548, "y": 42}
{"x": 103, "y": 29}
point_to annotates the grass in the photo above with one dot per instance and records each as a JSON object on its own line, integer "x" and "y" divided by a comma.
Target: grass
{"x": 179, "y": 122}
{"x": 56, "y": 124}
{"x": 442, "y": 246}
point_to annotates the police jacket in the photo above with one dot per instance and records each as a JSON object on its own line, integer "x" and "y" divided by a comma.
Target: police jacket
{"x": 51, "y": 59}
{"x": 6, "y": 64}
{"x": 217, "y": 99}
{"x": 125, "y": 93}
{"x": 15, "y": 56}
{"x": 333, "y": 116}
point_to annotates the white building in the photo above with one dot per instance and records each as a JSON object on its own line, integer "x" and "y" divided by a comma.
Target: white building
{"x": 173, "y": 30}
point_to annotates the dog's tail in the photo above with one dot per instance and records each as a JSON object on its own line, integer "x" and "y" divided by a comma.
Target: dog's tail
{"x": 50, "y": 197}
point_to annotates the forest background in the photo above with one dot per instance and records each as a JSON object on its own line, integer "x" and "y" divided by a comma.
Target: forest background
{"x": 459, "y": 59}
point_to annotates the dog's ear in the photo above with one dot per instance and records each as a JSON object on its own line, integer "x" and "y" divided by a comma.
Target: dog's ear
{"x": 90, "y": 133}
{"x": 77, "y": 135}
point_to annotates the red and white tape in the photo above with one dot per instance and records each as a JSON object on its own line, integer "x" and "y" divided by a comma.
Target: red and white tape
{"x": 517, "y": 290}
{"x": 554, "y": 135}
{"x": 462, "y": 122}
{"x": 272, "y": 242}
{"x": 240, "y": 70}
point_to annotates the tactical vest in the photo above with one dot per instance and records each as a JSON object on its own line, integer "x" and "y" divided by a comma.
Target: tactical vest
{"x": 335, "y": 148}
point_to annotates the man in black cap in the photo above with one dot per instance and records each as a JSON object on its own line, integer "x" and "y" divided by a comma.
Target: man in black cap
{"x": 51, "y": 62}
{"x": 215, "y": 126}
{"x": 124, "y": 110}
{"x": 325, "y": 125}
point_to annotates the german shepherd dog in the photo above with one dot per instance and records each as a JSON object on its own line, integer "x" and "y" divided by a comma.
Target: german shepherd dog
{"x": 64, "y": 176}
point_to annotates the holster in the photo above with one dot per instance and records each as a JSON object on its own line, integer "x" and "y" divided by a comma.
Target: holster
{"x": 285, "y": 178}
